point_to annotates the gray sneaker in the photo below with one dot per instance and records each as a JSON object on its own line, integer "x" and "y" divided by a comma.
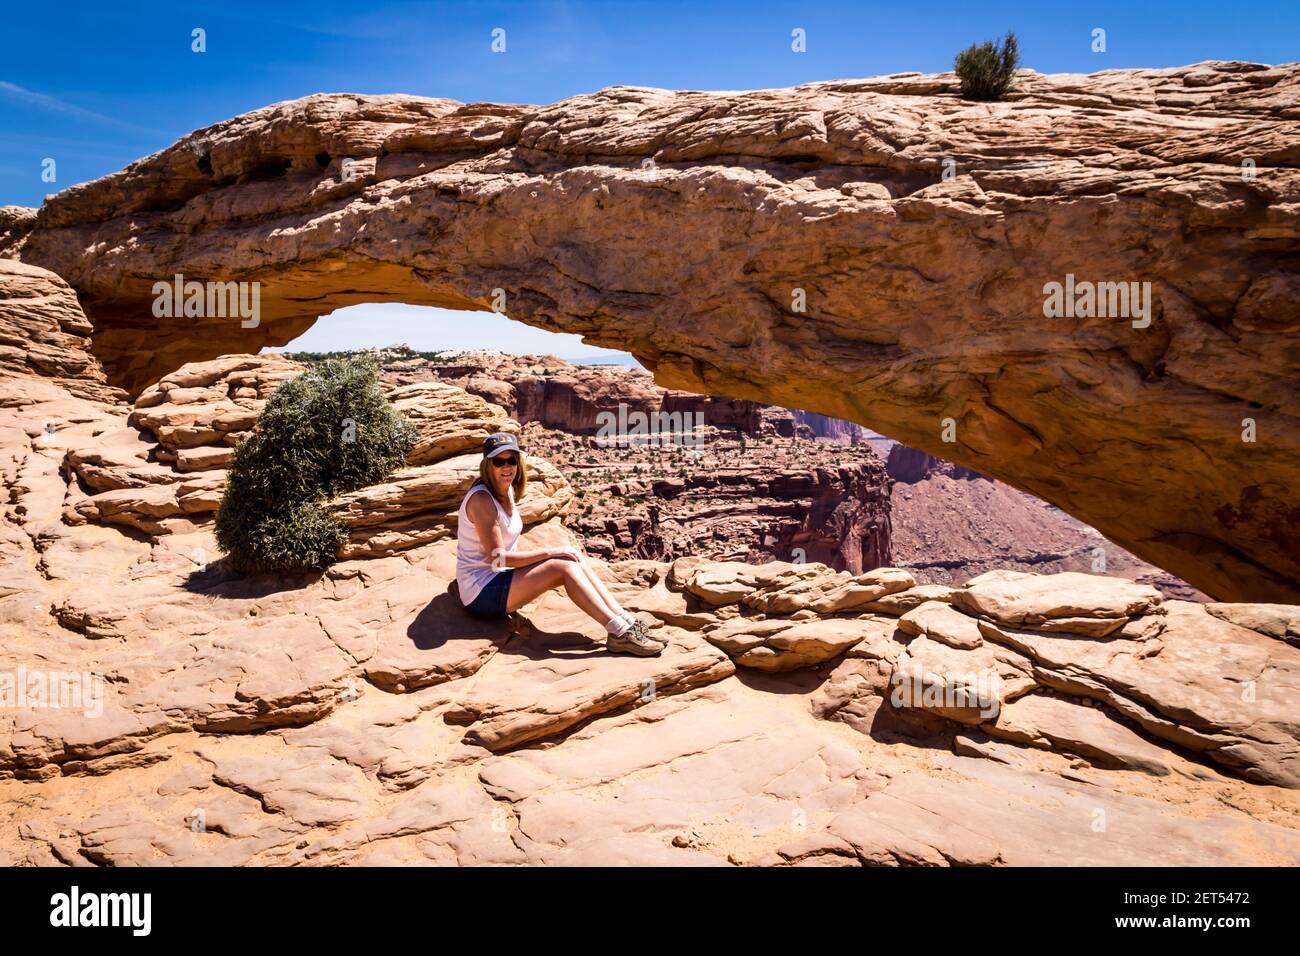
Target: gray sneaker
{"x": 645, "y": 629}
{"x": 633, "y": 641}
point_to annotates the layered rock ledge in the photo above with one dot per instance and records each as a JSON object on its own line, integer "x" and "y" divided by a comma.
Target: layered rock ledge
{"x": 163, "y": 471}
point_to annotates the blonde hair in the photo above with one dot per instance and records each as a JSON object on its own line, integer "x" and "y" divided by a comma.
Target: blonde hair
{"x": 486, "y": 468}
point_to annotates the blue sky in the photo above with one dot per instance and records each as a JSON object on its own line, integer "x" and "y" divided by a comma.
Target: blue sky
{"x": 96, "y": 85}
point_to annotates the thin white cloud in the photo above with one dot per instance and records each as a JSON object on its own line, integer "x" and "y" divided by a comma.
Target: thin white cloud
{"x": 20, "y": 94}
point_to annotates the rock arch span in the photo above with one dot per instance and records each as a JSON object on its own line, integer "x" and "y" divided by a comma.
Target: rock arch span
{"x": 680, "y": 225}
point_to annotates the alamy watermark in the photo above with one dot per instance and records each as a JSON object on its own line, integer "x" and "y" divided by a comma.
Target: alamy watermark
{"x": 1086, "y": 300}
{"x": 208, "y": 300}
{"x": 977, "y": 690}
{"x": 625, "y": 428}
{"x": 24, "y": 689}
{"x": 75, "y": 908}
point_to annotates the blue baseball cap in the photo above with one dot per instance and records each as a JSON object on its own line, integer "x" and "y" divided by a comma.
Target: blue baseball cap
{"x": 498, "y": 442}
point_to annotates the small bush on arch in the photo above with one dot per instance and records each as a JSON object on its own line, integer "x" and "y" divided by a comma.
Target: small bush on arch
{"x": 987, "y": 70}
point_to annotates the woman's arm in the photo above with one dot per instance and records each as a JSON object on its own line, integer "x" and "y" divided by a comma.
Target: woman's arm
{"x": 484, "y": 515}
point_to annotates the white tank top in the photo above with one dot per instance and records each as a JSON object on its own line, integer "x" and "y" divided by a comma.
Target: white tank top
{"x": 473, "y": 565}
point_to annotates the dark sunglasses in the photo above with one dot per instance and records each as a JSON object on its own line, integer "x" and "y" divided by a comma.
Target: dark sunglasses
{"x": 501, "y": 461}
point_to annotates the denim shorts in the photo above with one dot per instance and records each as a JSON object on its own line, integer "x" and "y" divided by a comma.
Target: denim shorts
{"x": 491, "y": 601}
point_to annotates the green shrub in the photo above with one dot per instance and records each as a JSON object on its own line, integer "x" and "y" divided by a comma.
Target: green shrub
{"x": 297, "y": 537}
{"x": 328, "y": 431}
{"x": 986, "y": 70}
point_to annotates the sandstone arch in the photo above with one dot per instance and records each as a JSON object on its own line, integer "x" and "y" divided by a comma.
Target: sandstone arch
{"x": 678, "y": 225}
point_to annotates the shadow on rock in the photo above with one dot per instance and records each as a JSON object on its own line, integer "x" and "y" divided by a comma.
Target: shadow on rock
{"x": 534, "y": 643}
{"x": 445, "y": 619}
{"x": 219, "y": 580}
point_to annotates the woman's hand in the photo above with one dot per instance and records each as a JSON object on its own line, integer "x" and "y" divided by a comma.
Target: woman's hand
{"x": 565, "y": 554}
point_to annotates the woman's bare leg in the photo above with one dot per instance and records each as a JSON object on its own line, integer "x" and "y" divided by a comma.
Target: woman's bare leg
{"x": 534, "y": 579}
{"x": 599, "y": 584}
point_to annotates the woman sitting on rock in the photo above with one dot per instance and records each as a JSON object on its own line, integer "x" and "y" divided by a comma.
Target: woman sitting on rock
{"x": 494, "y": 579}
